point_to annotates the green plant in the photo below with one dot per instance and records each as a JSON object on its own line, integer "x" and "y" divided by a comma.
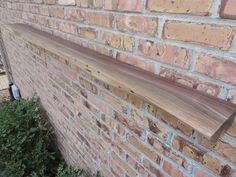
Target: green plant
{"x": 25, "y": 144}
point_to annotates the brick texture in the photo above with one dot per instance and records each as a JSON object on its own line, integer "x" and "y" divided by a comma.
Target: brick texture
{"x": 228, "y": 9}
{"x": 196, "y": 7}
{"x": 103, "y": 128}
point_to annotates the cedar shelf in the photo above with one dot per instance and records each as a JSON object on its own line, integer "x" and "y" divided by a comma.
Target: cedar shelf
{"x": 207, "y": 115}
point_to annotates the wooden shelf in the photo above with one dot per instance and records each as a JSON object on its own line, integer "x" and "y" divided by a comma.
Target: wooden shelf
{"x": 206, "y": 114}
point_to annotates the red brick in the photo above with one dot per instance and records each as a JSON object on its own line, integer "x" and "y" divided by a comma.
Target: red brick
{"x": 99, "y": 19}
{"x": 130, "y": 124}
{"x": 198, "y": 33}
{"x": 217, "y": 68}
{"x": 130, "y": 98}
{"x": 144, "y": 149}
{"x": 143, "y": 64}
{"x": 163, "y": 149}
{"x": 190, "y": 81}
{"x": 195, "y": 7}
{"x": 152, "y": 169}
{"x": 160, "y": 131}
{"x": 228, "y": 9}
{"x": 123, "y": 165}
{"x": 187, "y": 148}
{"x": 165, "y": 53}
{"x": 113, "y": 101}
{"x": 201, "y": 173}
{"x": 171, "y": 170}
{"x": 119, "y": 41}
{"x": 123, "y": 5}
{"x": 137, "y": 24}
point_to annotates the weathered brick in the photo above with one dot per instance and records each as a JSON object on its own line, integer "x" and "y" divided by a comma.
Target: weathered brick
{"x": 137, "y": 24}
{"x": 124, "y": 165}
{"x": 157, "y": 129}
{"x": 171, "y": 170}
{"x": 165, "y": 53}
{"x": 195, "y": 7}
{"x": 143, "y": 64}
{"x": 68, "y": 28}
{"x": 142, "y": 148}
{"x": 187, "y": 148}
{"x": 89, "y": 33}
{"x": 57, "y": 12}
{"x": 113, "y": 101}
{"x": 216, "y": 165}
{"x": 191, "y": 81}
{"x": 228, "y": 9}
{"x": 217, "y": 68}
{"x": 163, "y": 149}
{"x": 99, "y": 19}
{"x": 75, "y": 14}
{"x": 204, "y": 34}
{"x": 170, "y": 119}
{"x": 119, "y": 41}
{"x": 88, "y": 85}
{"x": 152, "y": 169}
{"x": 123, "y": 5}
{"x": 129, "y": 123}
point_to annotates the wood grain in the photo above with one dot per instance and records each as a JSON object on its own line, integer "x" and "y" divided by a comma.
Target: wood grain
{"x": 208, "y": 115}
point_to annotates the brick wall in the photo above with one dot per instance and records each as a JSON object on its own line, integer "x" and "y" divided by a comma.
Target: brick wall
{"x": 100, "y": 127}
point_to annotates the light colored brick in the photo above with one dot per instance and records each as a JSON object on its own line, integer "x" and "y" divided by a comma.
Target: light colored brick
{"x": 195, "y": 7}
{"x": 75, "y": 15}
{"x": 89, "y": 33}
{"x": 165, "y": 53}
{"x": 137, "y": 24}
{"x": 119, "y": 41}
{"x": 216, "y": 165}
{"x": 217, "y": 68}
{"x": 66, "y": 2}
{"x": 123, "y": 5}
{"x": 204, "y": 34}
{"x": 232, "y": 130}
{"x": 228, "y": 9}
